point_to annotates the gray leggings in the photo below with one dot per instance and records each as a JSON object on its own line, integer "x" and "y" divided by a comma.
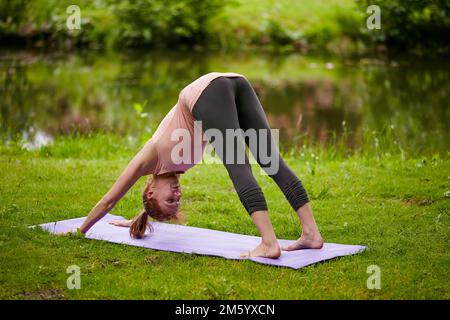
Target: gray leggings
{"x": 231, "y": 103}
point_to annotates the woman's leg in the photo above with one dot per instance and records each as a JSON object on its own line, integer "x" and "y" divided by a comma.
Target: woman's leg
{"x": 251, "y": 115}
{"x": 216, "y": 109}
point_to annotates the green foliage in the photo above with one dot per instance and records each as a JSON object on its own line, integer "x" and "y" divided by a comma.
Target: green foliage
{"x": 290, "y": 25}
{"x": 164, "y": 22}
{"x": 412, "y": 24}
{"x": 12, "y": 13}
{"x": 108, "y": 22}
{"x": 43, "y": 22}
{"x": 335, "y": 25}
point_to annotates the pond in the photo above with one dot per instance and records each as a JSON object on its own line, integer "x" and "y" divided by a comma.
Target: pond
{"x": 401, "y": 103}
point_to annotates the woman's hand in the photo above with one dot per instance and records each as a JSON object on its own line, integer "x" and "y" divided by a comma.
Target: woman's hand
{"x": 121, "y": 223}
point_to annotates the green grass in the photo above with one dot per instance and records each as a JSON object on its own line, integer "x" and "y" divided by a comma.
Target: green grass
{"x": 394, "y": 205}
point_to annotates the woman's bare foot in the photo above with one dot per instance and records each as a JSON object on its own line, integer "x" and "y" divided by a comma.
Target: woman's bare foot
{"x": 306, "y": 242}
{"x": 310, "y": 238}
{"x": 263, "y": 250}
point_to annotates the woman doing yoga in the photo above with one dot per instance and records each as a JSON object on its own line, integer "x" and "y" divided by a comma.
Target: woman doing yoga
{"x": 222, "y": 102}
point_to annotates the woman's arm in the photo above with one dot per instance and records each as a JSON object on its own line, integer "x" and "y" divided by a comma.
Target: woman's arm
{"x": 143, "y": 163}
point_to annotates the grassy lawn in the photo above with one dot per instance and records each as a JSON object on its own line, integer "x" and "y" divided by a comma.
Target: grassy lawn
{"x": 395, "y": 207}
{"x": 318, "y": 21}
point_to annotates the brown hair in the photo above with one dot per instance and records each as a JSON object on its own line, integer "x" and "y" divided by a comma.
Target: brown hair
{"x": 151, "y": 208}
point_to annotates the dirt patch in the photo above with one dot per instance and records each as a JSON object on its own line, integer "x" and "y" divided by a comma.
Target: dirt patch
{"x": 43, "y": 294}
{"x": 151, "y": 259}
{"x": 417, "y": 202}
{"x": 111, "y": 262}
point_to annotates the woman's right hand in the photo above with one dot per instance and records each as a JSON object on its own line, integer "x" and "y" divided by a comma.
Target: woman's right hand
{"x": 121, "y": 223}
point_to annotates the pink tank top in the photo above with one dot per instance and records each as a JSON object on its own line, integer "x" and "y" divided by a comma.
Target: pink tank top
{"x": 167, "y": 139}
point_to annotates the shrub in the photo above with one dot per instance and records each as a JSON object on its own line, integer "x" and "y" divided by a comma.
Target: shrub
{"x": 12, "y": 13}
{"x": 412, "y": 24}
{"x": 164, "y": 22}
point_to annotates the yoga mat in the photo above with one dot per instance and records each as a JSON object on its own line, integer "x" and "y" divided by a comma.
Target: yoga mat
{"x": 179, "y": 238}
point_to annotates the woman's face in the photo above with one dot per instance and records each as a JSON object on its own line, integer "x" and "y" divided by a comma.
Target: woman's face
{"x": 167, "y": 192}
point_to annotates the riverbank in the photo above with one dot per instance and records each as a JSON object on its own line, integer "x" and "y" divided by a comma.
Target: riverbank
{"x": 377, "y": 105}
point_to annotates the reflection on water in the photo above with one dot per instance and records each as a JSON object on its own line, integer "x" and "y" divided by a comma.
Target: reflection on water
{"x": 310, "y": 99}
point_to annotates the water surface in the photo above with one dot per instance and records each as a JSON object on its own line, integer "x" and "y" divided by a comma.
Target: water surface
{"x": 309, "y": 99}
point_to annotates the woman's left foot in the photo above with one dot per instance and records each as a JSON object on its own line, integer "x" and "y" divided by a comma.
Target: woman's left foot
{"x": 306, "y": 242}
{"x": 262, "y": 250}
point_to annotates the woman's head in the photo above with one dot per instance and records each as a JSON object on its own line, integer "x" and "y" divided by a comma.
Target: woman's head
{"x": 163, "y": 194}
{"x": 161, "y": 200}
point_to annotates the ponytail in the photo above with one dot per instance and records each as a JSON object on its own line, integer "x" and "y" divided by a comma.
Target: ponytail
{"x": 139, "y": 225}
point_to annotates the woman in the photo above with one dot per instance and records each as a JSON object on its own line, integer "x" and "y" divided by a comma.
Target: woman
{"x": 220, "y": 101}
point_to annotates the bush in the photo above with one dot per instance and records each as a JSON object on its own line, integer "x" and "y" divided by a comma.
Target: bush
{"x": 43, "y": 22}
{"x": 412, "y": 24}
{"x": 103, "y": 22}
{"x": 164, "y": 22}
{"x": 12, "y": 13}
